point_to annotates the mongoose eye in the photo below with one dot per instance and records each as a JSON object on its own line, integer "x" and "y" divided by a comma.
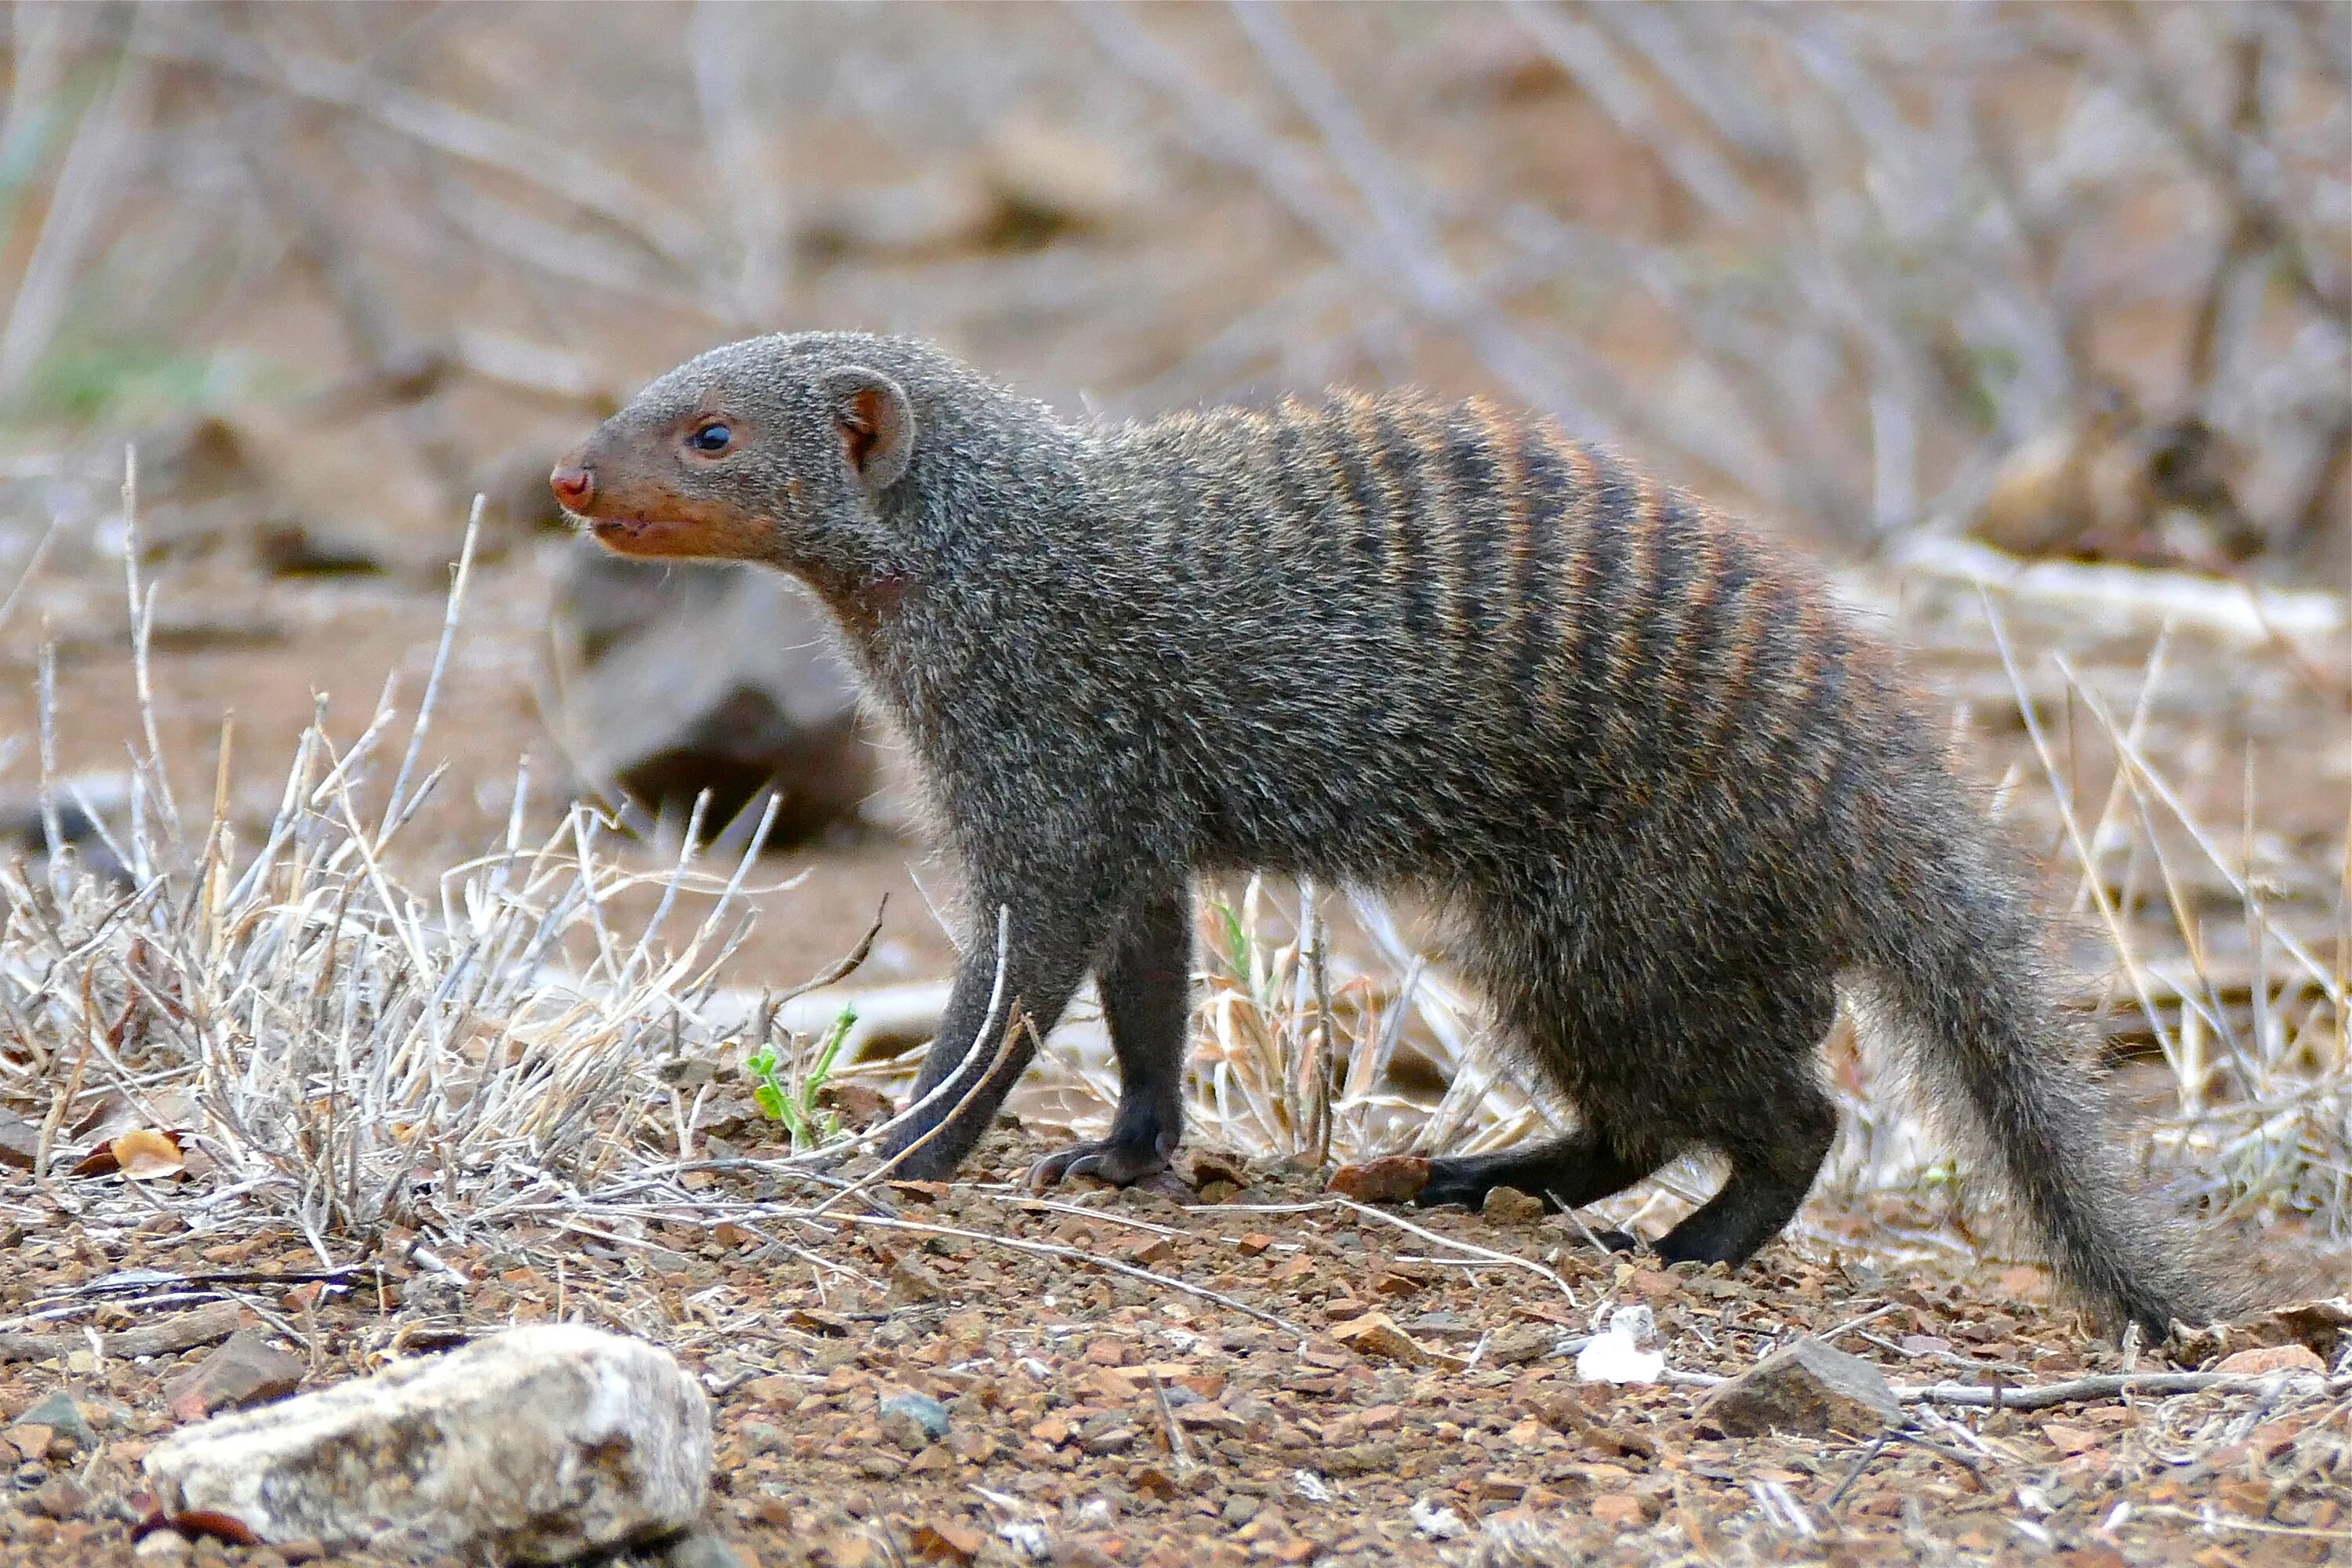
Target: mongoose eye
{"x": 710, "y": 436}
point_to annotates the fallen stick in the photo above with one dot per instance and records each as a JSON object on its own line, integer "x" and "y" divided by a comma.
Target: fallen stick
{"x": 202, "y": 1326}
{"x": 2008, "y": 1397}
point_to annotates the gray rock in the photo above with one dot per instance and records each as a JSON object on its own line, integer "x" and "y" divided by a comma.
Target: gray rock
{"x": 699, "y": 1550}
{"x": 914, "y": 1420}
{"x": 539, "y": 1444}
{"x": 1807, "y": 1388}
{"x": 676, "y": 679}
{"x": 58, "y": 1412}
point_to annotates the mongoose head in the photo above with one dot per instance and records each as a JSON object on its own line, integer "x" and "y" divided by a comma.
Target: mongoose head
{"x": 779, "y": 450}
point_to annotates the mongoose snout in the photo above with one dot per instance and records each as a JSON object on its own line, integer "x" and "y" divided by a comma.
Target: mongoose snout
{"x": 1676, "y": 799}
{"x": 615, "y": 488}
{"x": 574, "y": 485}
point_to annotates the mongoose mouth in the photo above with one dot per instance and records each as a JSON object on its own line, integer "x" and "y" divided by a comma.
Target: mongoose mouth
{"x": 646, "y": 535}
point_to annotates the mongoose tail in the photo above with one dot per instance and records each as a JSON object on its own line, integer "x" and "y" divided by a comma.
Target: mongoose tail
{"x": 1966, "y": 991}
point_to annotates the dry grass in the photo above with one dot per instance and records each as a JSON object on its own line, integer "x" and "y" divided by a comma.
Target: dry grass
{"x": 352, "y": 1051}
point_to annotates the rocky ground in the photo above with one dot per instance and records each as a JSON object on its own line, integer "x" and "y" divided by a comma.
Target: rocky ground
{"x": 978, "y": 1374}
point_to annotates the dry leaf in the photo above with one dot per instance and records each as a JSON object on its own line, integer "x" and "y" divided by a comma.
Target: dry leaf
{"x": 144, "y": 1154}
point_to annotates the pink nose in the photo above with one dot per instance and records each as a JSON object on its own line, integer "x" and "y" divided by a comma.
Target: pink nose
{"x": 574, "y": 486}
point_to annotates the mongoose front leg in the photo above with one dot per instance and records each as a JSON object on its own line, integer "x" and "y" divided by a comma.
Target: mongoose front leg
{"x": 1045, "y": 954}
{"x": 1145, "y": 976}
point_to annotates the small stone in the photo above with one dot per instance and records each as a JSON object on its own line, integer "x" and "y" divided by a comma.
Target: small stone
{"x": 1517, "y": 1347}
{"x": 1617, "y": 1509}
{"x": 1509, "y": 1205}
{"x": 702, "y": 1549}
{"x": 914, "y": 1421}
{"x": 945, "y": 1541}
{"x": 163, "y": 1547}
{"x": 1209, "y": 1416}
{"x": 20, "y": 1140}
{"x": 245, "y": 1370}
{"x": 912, "y": 1282}
{"x": 1113, "y": 1440}
{"x": 1442, "y": 1326}
{"x": 1808, "y": 1389}
{"x": 2274, "y": 1358}
{"x": 1654, "y": 1284}
{"x": 1255, "y": 1244}
{"x": 1375, "y": 1336}
{"x": 1239, "y": 1509}
{"x": 1395, "y": 1179}
{"x": 60, "y": 1497}
{"x": 63, "y": 1417}
{"x": 540, "y": 1443}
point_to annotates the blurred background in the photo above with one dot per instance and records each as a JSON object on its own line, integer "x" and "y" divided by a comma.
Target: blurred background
{"x": 1911, "y": 284}
{"x": 2072, "y": 277}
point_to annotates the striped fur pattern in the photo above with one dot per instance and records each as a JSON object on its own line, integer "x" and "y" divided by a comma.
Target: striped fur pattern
{"x": 1671, "y": 795}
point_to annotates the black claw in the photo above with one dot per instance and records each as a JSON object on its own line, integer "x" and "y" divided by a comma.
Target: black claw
{"x": 1617, "y": 1241}
{"x": 1123, "y": 1163}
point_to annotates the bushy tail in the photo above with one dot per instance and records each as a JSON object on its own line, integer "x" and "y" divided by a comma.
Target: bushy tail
{"x": 1958, "y": 957}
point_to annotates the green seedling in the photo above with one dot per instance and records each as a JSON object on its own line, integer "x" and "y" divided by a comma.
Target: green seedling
{"x": 794, "y": 1103}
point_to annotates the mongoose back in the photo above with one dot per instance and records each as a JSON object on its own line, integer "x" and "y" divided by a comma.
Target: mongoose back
{"x": 1672, "y": 797}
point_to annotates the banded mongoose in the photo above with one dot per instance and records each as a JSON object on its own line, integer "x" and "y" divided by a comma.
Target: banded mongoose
{"x": 1672, "y": 794}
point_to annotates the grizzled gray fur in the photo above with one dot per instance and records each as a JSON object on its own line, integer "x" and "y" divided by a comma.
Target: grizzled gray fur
{"x": 1671, "y": 795}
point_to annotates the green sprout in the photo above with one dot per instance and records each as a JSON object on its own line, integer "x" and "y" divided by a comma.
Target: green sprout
{"x": 794, "y": 1105}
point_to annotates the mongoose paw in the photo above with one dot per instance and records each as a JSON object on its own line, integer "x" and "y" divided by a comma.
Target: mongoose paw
{"x": 1109, "y": 1160}
{"x": 1618, "y": 1241}
{"x": 1451, "y": 1186}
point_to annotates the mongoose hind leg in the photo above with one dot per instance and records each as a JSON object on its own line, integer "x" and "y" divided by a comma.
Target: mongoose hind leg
{"x": 1145, "y": 978}
{"x": 1566, "y": 1172}
{"x": 1773, "y": 1162}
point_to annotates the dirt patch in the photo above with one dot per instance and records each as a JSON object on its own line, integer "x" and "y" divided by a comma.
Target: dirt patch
{"x": 973, "y": 1373}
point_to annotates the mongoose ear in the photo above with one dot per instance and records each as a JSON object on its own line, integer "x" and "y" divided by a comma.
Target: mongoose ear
{"x": 877, "y": 425}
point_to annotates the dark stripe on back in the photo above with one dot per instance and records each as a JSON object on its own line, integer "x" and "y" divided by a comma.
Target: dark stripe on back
{"x": 1655, "y": 682}
{"x": 1719, "y": 642}
{"x": 1474, "y": 475}
{"x": 1601, "y": 612}
{"x": 1355, "y": 546}
{"x": 1400, "y": 457}
{"x": 1550, "y": 496}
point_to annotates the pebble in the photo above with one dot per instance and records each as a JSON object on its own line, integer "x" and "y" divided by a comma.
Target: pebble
{"x": 914, "y": 1420}
{"x": 58, "y": 1413}
{"x": 1809, "y": 1389}
{"x": 163, "y": 1546}
{"x": 246, "y": 1370}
